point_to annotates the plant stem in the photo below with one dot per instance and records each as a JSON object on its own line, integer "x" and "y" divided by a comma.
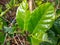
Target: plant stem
{"x": 5, "y": 38}
{"x": 4, "y": 12}
{"x": 31, "y": 4}
{"x": 11, "y": 24}
{"x": 16, "y": 5}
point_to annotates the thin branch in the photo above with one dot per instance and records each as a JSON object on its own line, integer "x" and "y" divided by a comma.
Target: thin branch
{"x": 34, "y": 4}
{"x": 11, "y": 24}
{"x": 20, "y": 41}
{"x": 7, "y": 33}
{"x": 5, "y": 12}
{"x": 8, "y": 10}
{"x": 5, "y": 19}
{"x": 31, "y": 4}
{"x": 15, "y": 41}
{"x": 5, "y": 39}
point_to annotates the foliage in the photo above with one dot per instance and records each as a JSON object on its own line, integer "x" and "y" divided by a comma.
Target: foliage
{"x": 38, "y": 22}
{"x": 39, "y": 26}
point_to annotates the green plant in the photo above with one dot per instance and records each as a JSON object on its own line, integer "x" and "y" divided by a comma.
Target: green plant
{"x": 36, "y": 22}
{"x": 21, "y": 26}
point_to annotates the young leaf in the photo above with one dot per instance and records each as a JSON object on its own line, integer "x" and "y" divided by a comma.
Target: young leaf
{"x": 12, "y": 2}
{"x": 41, "y": 20}
{"x": 38, "y": 23}
{"x": 23, "y": 15}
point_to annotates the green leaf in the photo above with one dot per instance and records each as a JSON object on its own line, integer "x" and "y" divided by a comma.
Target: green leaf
{"x": 50, "y": 37}
{"x": 23, "y": 15}
{"x": 12, "y": 3}
{"x": 45, "y": 43}
{"x": 34, "y": 41}
{"x": 38, "y": 2}
{"x": 41, "y": 20}
{"x": 8, "y": 30}
{"x": 58, "y": 43}
{"x": 58, "y": 11}
{"x": 1, "y": 24}
{"x": 57, "y": 25}
{"x": 2, "y": 37}
{"x": 0, "y": 8}
{"x": 37, "y": 22}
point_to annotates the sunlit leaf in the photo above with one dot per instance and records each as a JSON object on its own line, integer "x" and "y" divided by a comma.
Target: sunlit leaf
{"x": 50, "y": 37}
{"x": 23, "y": 15}
{"x": 37, "y": 22}
{"x": 41, "y": 20}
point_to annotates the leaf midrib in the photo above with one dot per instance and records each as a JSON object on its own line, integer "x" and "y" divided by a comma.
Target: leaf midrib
{"x": 41, "y": 18}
